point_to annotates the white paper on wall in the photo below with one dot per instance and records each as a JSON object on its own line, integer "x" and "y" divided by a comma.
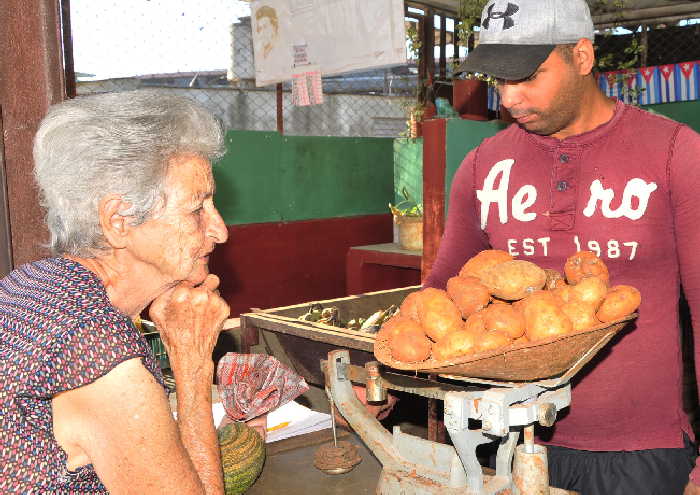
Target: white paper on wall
{"x": 335, "y": 35}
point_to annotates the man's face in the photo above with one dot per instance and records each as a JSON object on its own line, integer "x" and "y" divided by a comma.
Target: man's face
{"x": 266, "y": 32}
{"x": 548, "y": 102}
{"x": 178, "y": 239}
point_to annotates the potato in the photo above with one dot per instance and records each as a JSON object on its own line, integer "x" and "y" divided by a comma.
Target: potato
{"x": 581, "y": 314}
{"x": 396, "y": 324}
{"x": 563, "y": 294}
{"x": 548, "y": 296}
{"x": 438, "y": 314}
{"x": 585, "y": 264}
{"x": 504, "y": 318}
{"x": 459, "y": 343}
{"x": 475, "y": 323}
{"x": 513, "y": 280}
{"x": 409, "y": 306}
{"x": 590, "y": 290}
{"x": 490, "y": 341}
{"x": 544, "y": 320}
{"x": 468, "y": 294}
{"x": 477, "y": 265}
{"x": 554, "y": 279}
{"x": 620, "y": 301}
{"x": 410, "y": 346}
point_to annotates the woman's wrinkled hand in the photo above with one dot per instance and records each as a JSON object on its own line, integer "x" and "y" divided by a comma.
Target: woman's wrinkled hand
{"x": 189, "y": 319}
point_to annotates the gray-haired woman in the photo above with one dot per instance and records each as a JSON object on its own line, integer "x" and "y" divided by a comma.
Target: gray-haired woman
{"x": 127, "y": 185}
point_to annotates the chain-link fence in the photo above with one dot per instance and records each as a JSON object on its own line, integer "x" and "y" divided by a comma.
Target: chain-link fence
{"x": 205, "y": 50}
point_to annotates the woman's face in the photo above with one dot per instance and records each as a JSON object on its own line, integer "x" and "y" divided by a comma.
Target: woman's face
{"x": 178, "y": 239}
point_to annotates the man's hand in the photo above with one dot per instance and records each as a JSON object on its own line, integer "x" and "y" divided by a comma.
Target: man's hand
{"x": 691, "y": 489}
{"x": 189, "y": 320}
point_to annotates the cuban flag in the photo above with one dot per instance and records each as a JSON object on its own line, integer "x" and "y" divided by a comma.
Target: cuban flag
{"x": 649, "y": 83}
{"x": 687, "y": 81}
{"x": 668, "y": 83}
{"x": 494, "y": 101}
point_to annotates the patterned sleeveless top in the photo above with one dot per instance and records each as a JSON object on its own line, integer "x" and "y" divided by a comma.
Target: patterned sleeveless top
{"x": 58, "y": 332}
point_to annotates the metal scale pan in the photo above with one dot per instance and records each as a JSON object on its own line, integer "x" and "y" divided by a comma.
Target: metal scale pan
{"x": 559, "y": 357}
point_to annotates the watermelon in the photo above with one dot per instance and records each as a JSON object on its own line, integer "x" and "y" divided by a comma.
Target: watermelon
{"x": 242, "y": 456}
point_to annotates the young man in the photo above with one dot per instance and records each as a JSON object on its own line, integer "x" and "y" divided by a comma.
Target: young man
{"x": 579, "y": 171}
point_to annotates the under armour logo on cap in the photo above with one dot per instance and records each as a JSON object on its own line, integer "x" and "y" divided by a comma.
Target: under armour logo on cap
{"x": 506, "y": 16}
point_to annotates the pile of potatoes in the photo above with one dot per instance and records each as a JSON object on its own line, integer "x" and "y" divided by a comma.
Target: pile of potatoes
{"x": 496, "y": 301}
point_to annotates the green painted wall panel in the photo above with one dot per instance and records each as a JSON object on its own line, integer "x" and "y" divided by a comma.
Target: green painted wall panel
{"x": 462, "y": 137}
{"x": 687, "y": 112}
{"x": 408, "y": 169}
{"x": 266, "y": 177}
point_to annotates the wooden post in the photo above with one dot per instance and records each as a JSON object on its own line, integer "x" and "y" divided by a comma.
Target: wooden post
{"x": 434, "y": 160}
{"x": 280, "y": 109}
{"x": 443, "y": 47}
{"x": 32, "y": 79}
{"x": 69, "y": 63}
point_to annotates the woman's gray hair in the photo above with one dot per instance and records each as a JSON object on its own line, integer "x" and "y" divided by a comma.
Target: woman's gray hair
{"x": 114, "y": 143}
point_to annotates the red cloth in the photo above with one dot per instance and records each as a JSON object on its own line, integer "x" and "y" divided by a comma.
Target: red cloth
{"x": 251, "y": 385}
{"x": 630, "y": 189}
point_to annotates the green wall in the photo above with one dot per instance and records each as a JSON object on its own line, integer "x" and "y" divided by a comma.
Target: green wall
{"x": 267, "y": 177}
{"x": 408, "y": 169}
{"x": 687, "y": 112}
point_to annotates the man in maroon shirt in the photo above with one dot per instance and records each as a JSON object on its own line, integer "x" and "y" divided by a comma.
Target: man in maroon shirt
{"x": 582, "y": 172}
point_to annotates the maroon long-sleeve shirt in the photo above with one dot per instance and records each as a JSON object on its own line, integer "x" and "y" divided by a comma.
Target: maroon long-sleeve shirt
{"x": 628, "y": 190}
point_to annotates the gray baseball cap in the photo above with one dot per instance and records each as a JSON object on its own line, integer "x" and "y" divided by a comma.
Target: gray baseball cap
{"x": 516, "y": 36}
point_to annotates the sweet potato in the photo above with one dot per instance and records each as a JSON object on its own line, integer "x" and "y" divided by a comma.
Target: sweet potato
{"x": 475, "y": 323}
{"x": 468, "y": 294}
{"x": 455, "y": 344}
{"x": 554, "y": 279}
{"x": 590, "y": 290}
{"x": 410, "y": 346}
{"x": 513, "y": 280}
{"x": 585, "y": 264}
{"x": 620, "y": 301}
{"x": 544, "y": 320}
{"x": 504, "y": 318}
{"x": 490, "y": 341}
{"x": 409, "y": 306}
{"x": 484, "y": 260}
{"x": 581, "y": 314}
{"x": 437, "y": 313}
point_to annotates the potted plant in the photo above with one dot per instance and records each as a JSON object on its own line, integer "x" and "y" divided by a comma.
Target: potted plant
{"x": 408, "y": 218}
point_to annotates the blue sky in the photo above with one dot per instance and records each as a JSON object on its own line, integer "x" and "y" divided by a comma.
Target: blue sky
{"x": 118, "y": 38}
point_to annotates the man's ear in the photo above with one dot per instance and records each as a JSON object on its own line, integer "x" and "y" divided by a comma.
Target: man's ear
{"x": 584, "y": 56}
{"x": 115, "y": 227}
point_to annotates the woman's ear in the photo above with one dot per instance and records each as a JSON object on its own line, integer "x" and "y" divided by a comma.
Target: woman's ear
{"x": 115, "y": 227}
{"x": 584, "y": 56}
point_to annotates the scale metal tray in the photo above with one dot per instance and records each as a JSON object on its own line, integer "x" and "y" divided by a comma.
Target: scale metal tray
{"x": 560, "y": 357}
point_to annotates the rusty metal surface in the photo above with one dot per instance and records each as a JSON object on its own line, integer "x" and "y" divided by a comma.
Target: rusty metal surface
{"x": 530, "y": 471}
{"x": 423, "y": 387}
{"x": 32, "y": 79}
{"x": 524, "y": 362}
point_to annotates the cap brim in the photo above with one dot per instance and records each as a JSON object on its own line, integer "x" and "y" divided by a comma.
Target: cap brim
{"x": 510, "y": 62}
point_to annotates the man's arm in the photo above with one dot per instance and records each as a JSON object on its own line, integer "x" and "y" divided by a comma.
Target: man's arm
{"x": 684, "y": 174}
{"x": 463, "y": 237}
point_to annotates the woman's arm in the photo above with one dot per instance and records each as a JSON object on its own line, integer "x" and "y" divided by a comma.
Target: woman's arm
{"x": 122, "y": 423}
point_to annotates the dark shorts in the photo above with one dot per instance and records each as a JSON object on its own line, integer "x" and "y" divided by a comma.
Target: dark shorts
{"x": 638, "y": 472}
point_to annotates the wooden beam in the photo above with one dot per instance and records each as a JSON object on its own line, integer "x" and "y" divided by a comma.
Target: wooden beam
{"x": 32, "y": 79}
{"x": 434, "y": 151}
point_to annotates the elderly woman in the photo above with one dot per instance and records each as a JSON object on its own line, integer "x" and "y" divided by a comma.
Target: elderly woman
{"x": 127, "y": 185}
